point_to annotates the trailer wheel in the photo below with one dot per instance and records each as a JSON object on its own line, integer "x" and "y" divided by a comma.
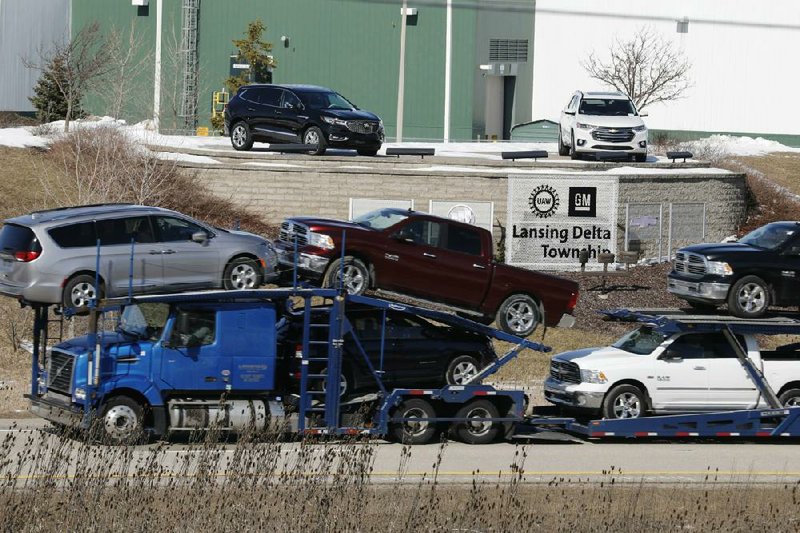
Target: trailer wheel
{"x": 411, "y": 431}
{"x": 123, "y": 420}
{"x": 477, "y": 431}
{"x": 625, "y": 401}
{"x": 790, "y": 398}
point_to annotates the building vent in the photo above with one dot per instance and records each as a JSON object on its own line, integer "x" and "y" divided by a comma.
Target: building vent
{"x": 508, "y": 50}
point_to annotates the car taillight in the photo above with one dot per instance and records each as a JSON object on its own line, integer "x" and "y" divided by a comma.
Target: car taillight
{"x": 298, "y": 351}
{"x": 573, "y": 301}
{"x": 26, "y": 257}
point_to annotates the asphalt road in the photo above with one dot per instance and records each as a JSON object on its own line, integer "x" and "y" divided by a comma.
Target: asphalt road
{"x": 541, "y": 462}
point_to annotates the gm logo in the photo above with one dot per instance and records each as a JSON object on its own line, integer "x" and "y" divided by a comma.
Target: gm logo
{"x": 583, "y": 202}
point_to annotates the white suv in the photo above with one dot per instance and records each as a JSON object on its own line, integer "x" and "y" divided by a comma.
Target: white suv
{"x": 602, "y": 122}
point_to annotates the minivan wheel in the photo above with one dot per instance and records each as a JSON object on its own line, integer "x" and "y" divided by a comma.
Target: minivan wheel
{"x": 241, "y": 136}
{"x": 241, "y": 273}
{"x": 79, "y": 292}
{"x": 315, "y": 137}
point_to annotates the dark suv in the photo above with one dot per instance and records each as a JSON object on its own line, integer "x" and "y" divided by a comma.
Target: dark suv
{"x": 300, "y": 114}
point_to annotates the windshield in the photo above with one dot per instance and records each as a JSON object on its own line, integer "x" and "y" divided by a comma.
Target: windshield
{"x": 381, "y": 218}
{"x": 611, "y": 107}
{"x": 769, "y": 237}
{"x": 145, "y": 321}
{"x": 640, "y": 341}
{"x": 320, "y": 100}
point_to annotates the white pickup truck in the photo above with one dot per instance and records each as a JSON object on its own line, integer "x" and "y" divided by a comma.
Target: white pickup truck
{"x": 650, "y": 372}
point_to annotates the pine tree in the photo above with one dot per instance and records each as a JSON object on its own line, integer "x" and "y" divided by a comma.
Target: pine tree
{"x": 48, "y": 98}
{"x": 256, "y": 53}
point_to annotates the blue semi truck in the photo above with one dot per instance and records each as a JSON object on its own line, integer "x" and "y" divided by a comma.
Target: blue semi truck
{"x": 161, "y": 364}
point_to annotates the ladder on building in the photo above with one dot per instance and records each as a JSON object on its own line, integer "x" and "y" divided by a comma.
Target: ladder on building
{"x": 189, "y": 94}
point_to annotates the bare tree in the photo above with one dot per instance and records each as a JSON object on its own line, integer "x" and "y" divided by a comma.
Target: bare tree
{"x": 128, "y": 63}
{"x": 83, "y": 61}
{"x": 646, "y": 67}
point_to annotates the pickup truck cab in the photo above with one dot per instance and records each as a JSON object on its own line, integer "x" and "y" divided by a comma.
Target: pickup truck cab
{"x": 760, "y": 270}
{"x": 650, "y": 372}
{"x": 426, "y": 257}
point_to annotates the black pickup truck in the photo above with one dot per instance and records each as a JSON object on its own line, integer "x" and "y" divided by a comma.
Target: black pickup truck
{"x": 759, "y": 270}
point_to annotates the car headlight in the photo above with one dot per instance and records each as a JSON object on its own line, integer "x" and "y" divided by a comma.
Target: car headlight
{"x": 720, "y": 268}
{"x": 583, "y": 126}
{"x": 79, "y": 393}
{"x": 320, "y": 241}
{"x": 640, "y": 128}
{"x": 593, "y": 376}
{"x": 380, "y": 124}
{"x": 335, "y": 121}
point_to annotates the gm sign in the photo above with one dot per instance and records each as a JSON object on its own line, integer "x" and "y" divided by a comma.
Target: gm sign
{"x": 583, "y": 202}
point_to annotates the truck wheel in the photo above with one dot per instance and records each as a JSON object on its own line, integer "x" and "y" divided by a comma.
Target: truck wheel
{"x": 790, "y": 398}
{"x": 749, "y": 297}
{"x": 355, "y": 279}
{"x": 461, "y": 369}
{"x": 241, "y": 136}
{"x": 79, "y": 292}
{"x": 563, "y": 149}
{"x": 241, "y": 273}
{"x": 478, "y": 431}
{"x": 519, "y": 315}
{"x": 411, "y": 431}
{"x": 123, "y": 420}
{"x": 315, "y": 137}
{"x": 624, "y": 401}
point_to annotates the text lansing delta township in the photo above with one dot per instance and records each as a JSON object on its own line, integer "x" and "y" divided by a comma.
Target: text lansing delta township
{"x": 562, "y": 236}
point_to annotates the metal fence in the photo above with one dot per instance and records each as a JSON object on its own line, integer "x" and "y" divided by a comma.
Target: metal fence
{"x": 645, "y": 232}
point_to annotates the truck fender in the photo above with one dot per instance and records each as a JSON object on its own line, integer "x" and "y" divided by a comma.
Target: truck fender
{"x": 140, "y": 385}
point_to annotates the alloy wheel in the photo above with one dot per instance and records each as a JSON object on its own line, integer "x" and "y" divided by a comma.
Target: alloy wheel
{"x": 239, "y": 135}
{"x": 520, "y": 316}
{"x": 120, "y": 421}
{"x": 752, "y": 297}
{"x": 82, "y": 294}
{"x": 244, "y": 276}
{"x": 627, "y": 405}
{"x": 478, "y": 428}
{"x": 353, "y": 279}
{"x": 463, "y": 371}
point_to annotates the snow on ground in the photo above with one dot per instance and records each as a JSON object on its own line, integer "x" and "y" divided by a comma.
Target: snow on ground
{"x": 185, "y": 158}
{"x": 144, "y": 133}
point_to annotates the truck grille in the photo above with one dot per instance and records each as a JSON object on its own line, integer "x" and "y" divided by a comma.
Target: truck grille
{"x": 362, "y": 126}
{"x": 565, "y": 371}
{"x": 290, "y": 230}
{"x": 614, "y": 135}
{"x": 689, "y": 263}
{"x": 59, "y": 372}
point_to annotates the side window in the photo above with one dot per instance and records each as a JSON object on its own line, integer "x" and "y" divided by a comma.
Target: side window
{"x": 464, "y": 240}
{"x": 269, "y": 96}
{"x": 193, "y": 327}
{"x": 422, "y": 232}
{"x": 290, "y": 100}
{"x": 75, "y": 235}
{"x": 122, "y": 230}
{"x": 703, "y": 346}
{"x": 171, "y": 229}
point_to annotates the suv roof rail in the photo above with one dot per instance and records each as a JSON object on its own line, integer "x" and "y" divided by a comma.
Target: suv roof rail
{"x": 56, "y": 209}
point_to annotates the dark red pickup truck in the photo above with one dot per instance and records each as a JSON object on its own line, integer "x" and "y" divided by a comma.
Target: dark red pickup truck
{"x": 430, "y": 258}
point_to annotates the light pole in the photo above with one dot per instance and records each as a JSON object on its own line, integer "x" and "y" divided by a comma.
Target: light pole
{"x": 401, "y": 78}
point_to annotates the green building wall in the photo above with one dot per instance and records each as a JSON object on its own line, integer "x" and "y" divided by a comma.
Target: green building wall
{"x": 352, "y": 46}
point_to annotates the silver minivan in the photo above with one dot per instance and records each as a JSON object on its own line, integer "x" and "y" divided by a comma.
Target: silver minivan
{"x": 52, "y": 256}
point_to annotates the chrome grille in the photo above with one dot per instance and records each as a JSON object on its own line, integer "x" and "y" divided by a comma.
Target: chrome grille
{"x": 290, "y": 230}
{"x": 59, "y": 372}
{"x": 614, "y": 135}
{"x": 565, "y": 371}
{"x": 362, "y": 126}
{"x": 689, "y": 263}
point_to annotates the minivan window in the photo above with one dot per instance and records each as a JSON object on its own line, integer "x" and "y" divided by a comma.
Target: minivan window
{"x": 15, "y": 238}
{"x": 77, "y": 235}
{"x": 171, "y": 229}
{"x": 123, "y": 230}
{"x": 464, "y": 240}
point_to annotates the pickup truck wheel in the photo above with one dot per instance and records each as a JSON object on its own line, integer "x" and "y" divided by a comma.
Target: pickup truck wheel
{"x": 241, "y": 273}
{"x": 625, "y": 401}
{"x": 519, "y": 315}
{"x": 461, "y": 369}
{"x": 563, "y": 149}
{"x": 241, "y": 136}
{"x": 749, "y": 297}
{"x": 354, "y": 276}
{"x": 477, "y": 431}
{"x": 344, "y": 383}
{"x": 123, "y": 420}
{"x": 790, "y": 398}
{"x": 80, "y": 291}
{"x": 412, "y": 431}
{"x": 315, "y": 137}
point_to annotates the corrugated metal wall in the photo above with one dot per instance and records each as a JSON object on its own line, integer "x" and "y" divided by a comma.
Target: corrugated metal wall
{"x": 27, "y": 26}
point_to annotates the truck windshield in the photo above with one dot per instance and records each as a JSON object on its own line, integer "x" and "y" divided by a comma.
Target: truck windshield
{"x": 769, "y": 237}
{"x": 381, "y": 218}
{"x": 145, "y": 321}
{"x": 640, "y": 341}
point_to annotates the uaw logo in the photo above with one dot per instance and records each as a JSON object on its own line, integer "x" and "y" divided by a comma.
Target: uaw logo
{"x": 543, "y": 201}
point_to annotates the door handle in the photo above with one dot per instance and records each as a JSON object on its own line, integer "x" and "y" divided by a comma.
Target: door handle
{"x": 699, "y": 368}
{"x": 426, "y": 254}
{"x": 251, "y": 109}
{"x": 476, "y": 265}
{"x": 155, "y": 252}
{"x": 167, "y": 252}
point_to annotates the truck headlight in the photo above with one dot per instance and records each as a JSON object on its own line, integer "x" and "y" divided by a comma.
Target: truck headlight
{"x": 593, "y": 376}
{"x": 582, "y": 126}
{"x": 320, "y": 241}
{"x": 334, "y": 121}
{"x": 79, "y": 393}
{"x": 720, "y": 268}
{"x": 640, "y": 128}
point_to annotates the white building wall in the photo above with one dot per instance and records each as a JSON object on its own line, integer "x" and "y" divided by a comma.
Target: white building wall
{"x": 743, "y": 55}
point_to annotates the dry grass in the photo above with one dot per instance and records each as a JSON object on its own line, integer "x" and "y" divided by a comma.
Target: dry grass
{"x": 783, "y": 169}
